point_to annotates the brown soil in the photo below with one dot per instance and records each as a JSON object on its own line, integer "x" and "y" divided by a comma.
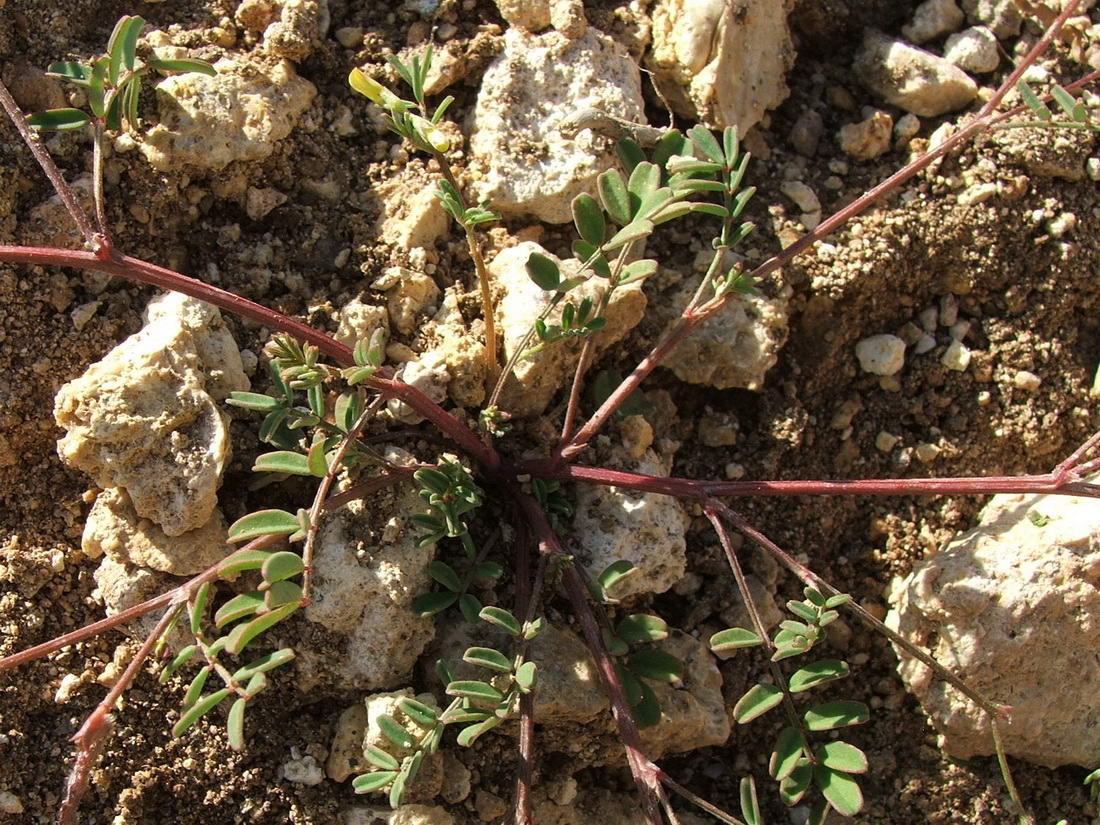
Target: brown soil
{"x": 1031, "y": 299}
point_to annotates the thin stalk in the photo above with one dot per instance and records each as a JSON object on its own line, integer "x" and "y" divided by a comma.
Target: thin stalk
{"x": 60, "y": 185}
{"x": 371, "y": 485}
{"x": 97, "y": 185}
{"x": 1025, "y": 817}
{"x": 93, "y": 734}
{"x": 697, "y": 800}
{"x": 668, "y": 342}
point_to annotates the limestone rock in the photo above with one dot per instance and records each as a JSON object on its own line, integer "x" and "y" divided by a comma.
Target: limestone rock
{"x": 404, "y": 815}
{"x": 536, "y": 379}
{"x": 408, "y": 293}
{"x": 705, "y": 50}
{"x": 121, "y": 585}
{"x": 411, "y": 213}
{"x": 368, "y": 572}
{"x": 911, "y": 78}
{"x": 345, "y": 755}
{"x": 973, "y": 50}
{"x": 867, "y": 139}
{"x": 299, "y": 29}
{"x": 1002, "y": 16}
{"x": 462, "y": 351}
{"x": 736, "y": 347}
{"x": 520, "y": 162}
{"x": 533, "y": 15}
{"x": 199, "y": 128}
{"x": 145, "y": 419}
{"x": 50, "y": 224}
{"x": 1012, "y": 606}
{"x": 114, "y": 528}
{"x": 932, "y": 19}
{"x": 881, "y": 354}
{"x": 429, "y": 374}
{"x": 646, "y": 529}
{"x": 359, "y": 320}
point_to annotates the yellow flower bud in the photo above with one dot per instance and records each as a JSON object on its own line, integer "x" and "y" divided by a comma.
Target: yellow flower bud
{"x": 366, "y": 86}
{"x": 439, "y": 141}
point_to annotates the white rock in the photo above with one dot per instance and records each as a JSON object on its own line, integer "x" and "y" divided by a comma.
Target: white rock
{"x": 359, "y": 320}
{"x": 303, "y": 771}
{"x": 520, "y": 162}
{"x": 533, "y": 15}
{"x": 412, "y": 215}
{"x": 198, "y": 128}
{"x": 429, "y": 374}
{"x": 704, "y": 49}
{"x": 1012, "y": 607}
{"x": 345, "y": 754}
{"x": 10, "y": 803}
{"x": 535, "y": 380}
{"x": 881, "y": 354}
{"x": 122, "y": 585}
{"x": 1002, "y": 16}
{"x": 646, "y": 529}
{"x": 404, "y": 815}
{"x": 114, "y": 527}
{"x": 145, "y": 419}
{"x": 411, "y": 294}
{"x": 298, "y": 31}
{"x": 362, "y": 593}
{"x": 801, "y": 195}
{"x": 867, "y": 139}
{"x": 932, "y": 19}
{"x": 461, "y": 350}
{"x": 956, "y": 356}
{"x": 1027, "y": 381}
{"x": 911, "y": 78}
{"x": 974, "y": 50}
{"x": 734, "y": 348}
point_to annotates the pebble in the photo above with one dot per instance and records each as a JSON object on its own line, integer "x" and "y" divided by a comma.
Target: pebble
{"x": 956, "y": 356}
{"x": 867, "y": 139}
{"x": 1092, "y": 166}
{"x": 911, "y": 78}
{"x": 978, "y": 193}
{"x": 929, "y": 318}
{"x": 801, "y": 195}
{"x": 806, "y": 133}
{"x": 881, "y": 354}
{"x": 906, "y": 128}
{"x": 350, "y": 37}
{"x": 949, "y": 310}
{"x": 69, "y": 683}
{"x": 959, "y": 330}
{"x": 927, "y": 452}
{"x": 932, "y": 19}
{"x": 303, "y": 771}
{"x": 885, "y": 441}
{"x": 889, "y": 383}
{"x": 844, "y": 414}
{"x": 84, "y": 313}
{"x": 1062, "y": 224}
{"x": 1002, "y": 16}
{"x": 973, "y": 50}
{"x": 735, "y": 471}
{"x": 1027, "y": 381}
{"x": 10, "y": 803}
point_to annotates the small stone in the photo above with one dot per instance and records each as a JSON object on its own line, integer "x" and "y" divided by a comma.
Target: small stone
{"x": 842, "y": 418}
{"x": 973, "y": 50}
{"x": 881, "y": 354}
{"x": 801, "y": 195}
{"x": 10, "y": 803}
{"x": 84, "y": 313}
{"x": 867, "y": 139}
{"x": 1061, "y": 224}
{"x": 956, "y": 356}
{"x": 532, "y": 15}
{"x": 949, "y": 310}
{"x": 637, "y": 435}
{"x": 927, "y": 452}
{"x": 1027, "y": 381}
{"x": 734, "y": 471}
{"x": 359, "y": 320}
{"x": 906, "y": 128}
{"x": 932, "y": 19}
{"x": 1092, "y": 166}
{"x": 911, "y": 78}
{"x": 303, "y": 771}
{"x": 806, "y": 132}
{"x": 959, "y": 330}
{"x": 1002, "y": 16}
{"x": 259, "y": 202}
{"x": 350, "y": 37}
{"x": 885, "y": 442}
{"x": 978, "y": 193}
{"x": 69, "y": 683}
{"x": 718, "y": 429}
{"x": 489, "y": 806}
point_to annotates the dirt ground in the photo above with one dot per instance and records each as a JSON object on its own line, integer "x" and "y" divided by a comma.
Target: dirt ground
{"x": 1029, "y": 292}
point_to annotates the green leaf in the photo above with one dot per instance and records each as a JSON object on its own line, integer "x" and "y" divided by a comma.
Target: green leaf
{"x": 802, "y": 611}
{"x": 750, "y": 805}
{"x": 585, "y": 252}
{"x": 373, "y": 781}
{"x": 194, "y": 690}
{"x": 819, "y": 811}
{"x": 182, "y": 65}
{"x": 526, "y": 676}
{"x": 95, "y": 88}
{"x": 198, "y": 607}
{"x": 639, "y": 628}
{"x": 758, "y": 700}
{"x": 488, "y": 658}
{"x": 841, "y": 756}
{"x": 706, "y": 143}
{"x": 501, "y": 618}
{"x": 282, "y": 592}
{"x": 428, "y": 604}
{"x": 264, "y": 664}
{"x": 730, "y": 145}
{"x": 1064, "y": 99}
{"x": 243, "y": 634}
{"x": 130, "y": 92}
{"x": 733, "y": 638}
{"x": 637, "y": 270}
{"x": 794, "y": 787}
{"x": 445, "y": 575}
{"x": 838, "y": 600}
{"x": 839, "y": 714}
{"x": 70, "y": 70}
{"x": 588, "y": 218}
{"x": 470, "y": 689}
{"x": 656, "y": 665}
{"x": 644, "y": 180}
{"x": 841, "y": 790}
{"x": 647, "y": 710}
{"x": 346, "y": 411}
{"x": 470, "y": 607}
{"x": 788, "y": 750}
{"x": 543, "y": 271}
{"x": 179, "y": 661}
{"x": 282, "y": 565}
{"x": 263, "y": 523}
{"x": 818, "y": 673}
{"x": 814, "y": 595}
{"x": 468, "y": 735}
{"x": 614, "y": 196}
{"x": 614, "y": 574}
{"x": 633, "y": 231}
{"x": 238, "y": 607}
{"x": 393, "y": 731}
{"x": 397, "y": 789}
{"x": 257, "y": 684}
{"x": 714, "y": 209}
{"x": 58, "y": 119}
{"x": 1032, "y": 100}
{"x": 242, "y": 561}
{"x": 379, "y": 758}
{"x": 282, "y": 461}
{"x": 316, "y": 460}
{"x": 419, "y": 712}
{"x": 489, "y": 570}
{"x": 630, "y": 154}
{"x": 196, "y": 711}
{"x": 234, "y": 724}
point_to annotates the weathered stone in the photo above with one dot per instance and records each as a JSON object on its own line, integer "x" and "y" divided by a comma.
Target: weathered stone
{"x": 404, "y": 815}
{"x": 359, "y": 320}
{"x": 1002, "y": 16}
{"x": 408, "y": 293}
{"x": 462, "y": 350}
{"x": 114, "y": 528}
{"x": 704, "y": 50}
{"x": 145, "y": 419}
{"x": 345, "y": 755}
{"x": 429, "y": 374}
{"x": 736, "y": 347}
{"x": 299, "y": 29}
{"x": 520, "y": 162}
{"x": 869, "y": 138}
{"x": 974, "y": 50}
{"x": 535, "y": 380}
{"x": 198, "y": 127}
{"x": 932, "y": 19}
{"x": 911, "y": 78}
{"x": 881, "y": 354}
{"x": 1012, "y": 606}
{"x": 411, "y": 213}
